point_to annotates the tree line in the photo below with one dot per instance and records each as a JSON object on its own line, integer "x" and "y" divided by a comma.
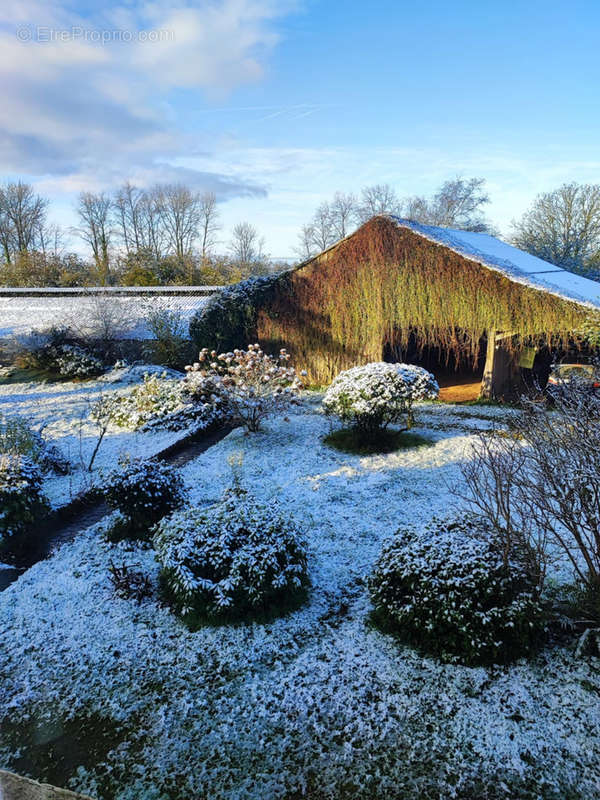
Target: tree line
{"x": 457, "y": 204}
{"x": 169, "y": 234}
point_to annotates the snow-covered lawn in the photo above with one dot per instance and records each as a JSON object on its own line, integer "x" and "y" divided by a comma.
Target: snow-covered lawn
{"x": 63, "y": 410}
{"x": 314, "y": 704}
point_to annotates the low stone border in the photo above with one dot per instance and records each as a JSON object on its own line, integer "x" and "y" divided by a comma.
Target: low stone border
{"x": 15, "y": 787}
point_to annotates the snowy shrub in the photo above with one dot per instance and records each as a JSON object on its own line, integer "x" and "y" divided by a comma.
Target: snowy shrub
{"x": 18, "y": 438}
{"x": 373, "y": 396}
{"x": 22, "y": 501}
{"x": 455, "y": 596}
{"x": 58, "y": 351}
{"x": 143, "y": 492}
{"x": 74, "y": 362}
{"x": 36, "y": 350}
{"x": 250, "y": 384}
{"x": 236, "y": 558}
{"x": 158, "y": 402}
{"x": 157, "y": 396}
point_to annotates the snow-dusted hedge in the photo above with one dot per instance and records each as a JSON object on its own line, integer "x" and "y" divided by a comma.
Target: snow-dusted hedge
{"x": 228, "y": 319}
{"x": 74, "y": 362}
{"x": 375, "y": 395}
{"x": 450, "y": 593}
{"x": 143, "y": 492}
{"x": 248, "y": 385}
{"x": 22, "y": 501}
{"x": 232, "y": 559}
{"x": 156, "y": 397}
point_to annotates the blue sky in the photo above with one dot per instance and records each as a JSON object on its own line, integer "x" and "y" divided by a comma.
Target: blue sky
{"x": 276, "y": 105}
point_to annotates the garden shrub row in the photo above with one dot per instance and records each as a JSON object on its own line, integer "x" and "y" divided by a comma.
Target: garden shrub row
{"x": 446, "y": 589}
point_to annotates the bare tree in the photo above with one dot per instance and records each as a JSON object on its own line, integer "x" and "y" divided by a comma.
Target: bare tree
{"x": 378, "y": 199}
{"x": 95, "y": 228}
{"x": 209, "y": 224}
{"x": 456, "y": 204}
{"x": 540, "y": 486}
{"x": 22, "y": 217}
{"x": 6, "y": 235}
{"x": 153, "y": 236}
{"x": 562, "y": 226}
{"x": 180, "y": 210}
{"x": 330, "y": 222}
{"x": 246, "y": 246}
{"x": 493, "y": 487}
{"x": 342, "y": 214}
{"x": 323, "y": 229}
{"x": 416, "y": 208}
{"x": 306, "y": 246}
{"x": 128, "y": 206}
{"x": 563, "y": 477}
{"x": 51, "y": 241}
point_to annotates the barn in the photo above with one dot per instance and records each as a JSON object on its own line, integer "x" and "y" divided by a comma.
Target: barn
{"x": 460, "y": 303}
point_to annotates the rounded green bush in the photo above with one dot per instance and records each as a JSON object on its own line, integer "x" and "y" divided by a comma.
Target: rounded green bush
{"x": 373, "y": 396}
{"x": 143, "y": 492}
{"x": 449, "y": 591}
{"x": 233, "y": 559}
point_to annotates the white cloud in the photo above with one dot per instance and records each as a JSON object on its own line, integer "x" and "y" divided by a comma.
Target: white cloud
{"x": 81, "y": 111}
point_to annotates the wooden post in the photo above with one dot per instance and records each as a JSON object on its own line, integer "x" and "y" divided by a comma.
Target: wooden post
{"x": 501, "y": 371}
{"x": 488, "y": 370}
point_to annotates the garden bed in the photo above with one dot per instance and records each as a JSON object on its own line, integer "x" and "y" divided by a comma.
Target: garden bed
{"x": 63, "y": 409}
{"x": 315, "y": 704}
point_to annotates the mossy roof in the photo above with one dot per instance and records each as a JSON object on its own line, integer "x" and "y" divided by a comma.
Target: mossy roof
{"x": 510, "y": 261}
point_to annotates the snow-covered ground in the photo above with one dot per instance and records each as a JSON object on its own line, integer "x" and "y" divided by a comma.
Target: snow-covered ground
{"x": 84, "y": 312}
{"x": 315, "y": 704}
{"x": 63, "y": 411}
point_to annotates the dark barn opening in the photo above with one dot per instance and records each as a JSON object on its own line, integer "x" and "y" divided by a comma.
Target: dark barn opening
{"x": 459, "y": 379}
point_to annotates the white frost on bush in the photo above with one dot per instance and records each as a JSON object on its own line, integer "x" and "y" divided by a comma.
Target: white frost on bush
{"x": 237, "y": 556}
{"x": 448, "y": 588}
{"x": 249, "y": 385}
{"x": 63, "y": 411}
{"x": 156, "y": 397}
{"x": 74, "y": 362}
{"x": 21, "y": 497}
{"x": 144, "y": 490}
{"x": 158, "y": 402}
{"x": 378, "y": 394}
